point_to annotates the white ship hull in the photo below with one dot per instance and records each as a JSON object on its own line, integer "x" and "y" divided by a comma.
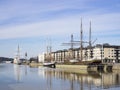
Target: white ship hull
{"x": 49, "y": 64}
{"x": 17, "y": 61}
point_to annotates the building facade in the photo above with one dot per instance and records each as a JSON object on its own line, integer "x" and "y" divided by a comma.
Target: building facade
{"x": 106, "y": 53}
{"x": 41, "y": 57}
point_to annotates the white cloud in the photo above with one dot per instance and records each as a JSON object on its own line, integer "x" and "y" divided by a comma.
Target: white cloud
{"x": 62, "y": 26}
{"x": 24, "y": 9}
{"x": 35, "y": 29}
{"x": 23, "y": 19}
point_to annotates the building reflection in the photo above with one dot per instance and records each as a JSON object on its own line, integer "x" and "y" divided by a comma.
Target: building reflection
{"x": 78, "y": 81}
{"x": 111, "y": 79}
{"x": 41, "y": 72}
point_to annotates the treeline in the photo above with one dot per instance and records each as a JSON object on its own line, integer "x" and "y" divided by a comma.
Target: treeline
{"x": 2, "y": 59}
{"x": 32, "y": 59}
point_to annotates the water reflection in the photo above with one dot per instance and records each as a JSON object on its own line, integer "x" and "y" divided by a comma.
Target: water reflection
{"x": 111, "y": 80}
{"x": 20, "y": 77}
{"x": 89, "y": 81}
{"x": 17, "y": 72}
{"x": 25, "y": 69}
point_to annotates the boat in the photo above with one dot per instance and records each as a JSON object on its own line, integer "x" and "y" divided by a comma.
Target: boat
{"x": 49, "y": 64}
{"x": 17, "y": 61}
{"x": 17, "y": 58}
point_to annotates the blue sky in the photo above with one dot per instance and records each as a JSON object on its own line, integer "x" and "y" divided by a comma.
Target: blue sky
{"x": 31, "y": 23}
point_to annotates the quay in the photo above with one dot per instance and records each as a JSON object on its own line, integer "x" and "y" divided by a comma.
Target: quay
{"x": 80, "y": 67}
{"x": 76, "y": 68}
{"x": 116, "y": 66}
{"x": 102, "y": 67}
{"x": 86, "y": 67}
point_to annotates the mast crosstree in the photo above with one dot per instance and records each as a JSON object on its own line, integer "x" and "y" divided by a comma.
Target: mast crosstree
{"x": 73, "y": 43}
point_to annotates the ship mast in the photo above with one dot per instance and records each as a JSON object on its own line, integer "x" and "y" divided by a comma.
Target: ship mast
{"x": 18, "y": 53}
{"x": 72, "y": 41}
{"x": 90, "y": 45}
{"x": 49, "y": 50}
{"x": 81, "y": 42}
{"x": 90, "y": 35}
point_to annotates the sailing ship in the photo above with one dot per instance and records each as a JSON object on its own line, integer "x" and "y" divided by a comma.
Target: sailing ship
{"x": 49, "y": 62}
{"x": 17, "y": 57}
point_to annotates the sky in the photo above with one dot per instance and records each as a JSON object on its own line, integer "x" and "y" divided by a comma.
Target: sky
{"x": 34, "y": 24}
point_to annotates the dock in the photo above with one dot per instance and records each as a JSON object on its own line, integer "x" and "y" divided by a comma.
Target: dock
{"x": 100, "y": 67}
{"x": 103, "y": 67}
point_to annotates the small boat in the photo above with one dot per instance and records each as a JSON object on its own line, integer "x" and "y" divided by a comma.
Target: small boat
{"x": 49, "y": 64}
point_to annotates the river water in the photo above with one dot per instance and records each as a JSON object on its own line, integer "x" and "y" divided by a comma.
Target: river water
{"x": 22, "y": 77}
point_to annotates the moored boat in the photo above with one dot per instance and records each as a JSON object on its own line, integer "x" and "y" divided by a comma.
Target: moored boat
{"x": 17, "y": 61}
{"x": 49, "y": 64}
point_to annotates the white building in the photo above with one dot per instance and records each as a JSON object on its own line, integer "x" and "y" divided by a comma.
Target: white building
{"x": 97, "y": 53}
{"x": 106, "y": 53}
{"x": 41, "y": 58}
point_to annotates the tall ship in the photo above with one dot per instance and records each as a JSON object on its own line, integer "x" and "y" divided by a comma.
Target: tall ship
{"x": 17, "y": 57}
{"x": 48, "y": 61}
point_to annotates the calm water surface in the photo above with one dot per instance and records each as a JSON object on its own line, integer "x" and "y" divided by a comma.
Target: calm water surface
{"x": 20, "y": 77}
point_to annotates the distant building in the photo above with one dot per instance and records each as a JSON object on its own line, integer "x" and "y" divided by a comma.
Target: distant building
{"x": 41, "y": 58}
{"x": 33, "y": 59}
{"x": 106, "y": 53}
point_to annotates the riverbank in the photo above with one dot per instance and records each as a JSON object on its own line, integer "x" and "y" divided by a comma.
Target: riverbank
{"x": 82, "y": 69}
{"x": 63, "y": 66}
{"x": 35, "y": 64}
{"x": 79, "y": 67}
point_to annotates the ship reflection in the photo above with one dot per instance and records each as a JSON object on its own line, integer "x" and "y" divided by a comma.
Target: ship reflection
{"x": 81, "y": 81}
{"x": 17, "y": 72}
